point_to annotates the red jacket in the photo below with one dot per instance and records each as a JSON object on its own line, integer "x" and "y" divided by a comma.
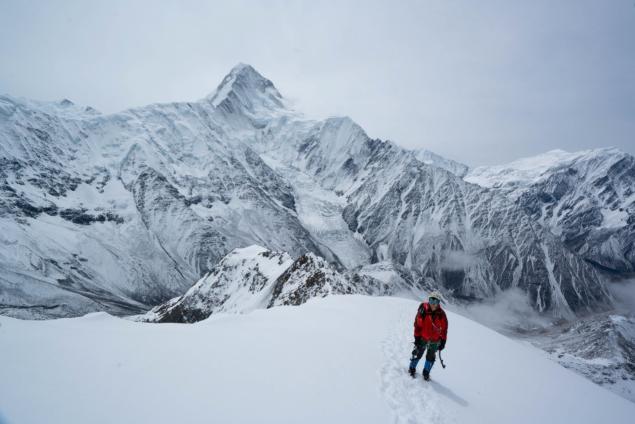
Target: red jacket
{"x": 431, "y": 325}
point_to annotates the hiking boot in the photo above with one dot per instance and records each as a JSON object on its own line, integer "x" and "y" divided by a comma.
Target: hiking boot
{"x": 412, "y": 372}
{"x": 426, "y": 375}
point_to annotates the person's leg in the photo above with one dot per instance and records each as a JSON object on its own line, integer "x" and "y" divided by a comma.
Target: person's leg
{"x": 417, "y": 353}
{"x": 430, "y": 358}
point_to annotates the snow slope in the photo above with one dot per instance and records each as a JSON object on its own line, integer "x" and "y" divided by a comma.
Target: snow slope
{"x": 431, "y": 158}
{"x": 340, "y": 359}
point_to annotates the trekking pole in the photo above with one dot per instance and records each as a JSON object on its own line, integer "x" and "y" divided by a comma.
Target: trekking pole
{"x": 441, "y": 359}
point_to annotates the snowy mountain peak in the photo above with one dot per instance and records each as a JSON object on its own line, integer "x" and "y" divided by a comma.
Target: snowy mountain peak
{"x": 246, "y": 89}
{"x": 9, "y": 105}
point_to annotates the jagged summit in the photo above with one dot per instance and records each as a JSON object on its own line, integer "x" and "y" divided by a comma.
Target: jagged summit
{"x": 247, "y": 90}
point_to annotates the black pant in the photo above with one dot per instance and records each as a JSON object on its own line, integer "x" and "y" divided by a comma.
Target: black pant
{"x": 421, "y": 346}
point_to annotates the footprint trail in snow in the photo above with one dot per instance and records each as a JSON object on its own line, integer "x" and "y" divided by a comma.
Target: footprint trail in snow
{"x": 412, "y": 400}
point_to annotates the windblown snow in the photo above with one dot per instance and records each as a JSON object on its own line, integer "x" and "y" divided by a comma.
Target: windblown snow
{"x": 341, "y": 359}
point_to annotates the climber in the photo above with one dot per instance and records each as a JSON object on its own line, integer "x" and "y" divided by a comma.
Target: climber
{"x": 431, "y": 330}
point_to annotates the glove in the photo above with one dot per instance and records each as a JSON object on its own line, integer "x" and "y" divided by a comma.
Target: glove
{"x": 442, "y": 345}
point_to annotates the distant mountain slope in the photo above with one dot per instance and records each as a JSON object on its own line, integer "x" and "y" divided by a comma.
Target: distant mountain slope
{"x": 600, "y": 347}
{"x": 472, "y": 241}
{"x": 587, "y": 199}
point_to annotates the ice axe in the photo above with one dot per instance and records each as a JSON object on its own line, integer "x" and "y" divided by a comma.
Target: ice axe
{"x": 441, "y": 359}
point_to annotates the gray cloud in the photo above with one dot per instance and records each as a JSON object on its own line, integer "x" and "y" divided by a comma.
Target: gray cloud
{"x": 455, "y": 260}
{"x": 624, "y": 294}
{"x": 480, "y": 82}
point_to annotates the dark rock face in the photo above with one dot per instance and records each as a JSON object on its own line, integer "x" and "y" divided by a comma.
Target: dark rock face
{"x": 304, "y": 279}
{"x": 79, "y": 216}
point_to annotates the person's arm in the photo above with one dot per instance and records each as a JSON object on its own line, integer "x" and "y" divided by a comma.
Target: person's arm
{"x": 419, "y": 317}
{"x": 445, "y": 327}
{"x": 444, "y": 331}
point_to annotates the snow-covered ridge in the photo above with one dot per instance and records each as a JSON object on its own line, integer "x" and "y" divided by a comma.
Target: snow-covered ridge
{"x": 531, "y": 169}
{"x": 240, "y": 282}
{"x": 431, "y": 158}
{"x": 64, "y": 107}
{"x": 331, "y": 360}
{"x": 254, "y": 278}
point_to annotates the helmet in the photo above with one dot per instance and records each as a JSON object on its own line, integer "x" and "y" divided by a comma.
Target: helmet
{"x": 436, "y": 295}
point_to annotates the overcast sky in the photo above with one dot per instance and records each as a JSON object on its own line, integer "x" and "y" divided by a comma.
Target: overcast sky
{"x": 482, "y": 82}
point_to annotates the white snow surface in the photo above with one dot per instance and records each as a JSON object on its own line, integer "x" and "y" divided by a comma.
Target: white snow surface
{"x": 341, "y": 359}
{"x": 431, "y": 158}
{"x": 524, "y": 170}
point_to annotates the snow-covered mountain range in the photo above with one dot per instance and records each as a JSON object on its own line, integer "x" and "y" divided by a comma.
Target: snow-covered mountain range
{"x": 587, "y": 199}
{"x": 122, "y": 212}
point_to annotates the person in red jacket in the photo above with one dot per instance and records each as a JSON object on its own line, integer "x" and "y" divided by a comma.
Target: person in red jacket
{"x": 431, "y": 333}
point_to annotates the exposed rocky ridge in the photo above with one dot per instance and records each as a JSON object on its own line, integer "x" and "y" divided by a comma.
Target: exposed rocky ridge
{"x": 311, "y": 276}
{"x": 431, "y": 158}
{"x": 255, "y": 277}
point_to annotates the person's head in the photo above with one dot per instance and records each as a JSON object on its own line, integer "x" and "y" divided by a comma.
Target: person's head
{"x": 434, "y": 299}
{"x": 434, "y": 303}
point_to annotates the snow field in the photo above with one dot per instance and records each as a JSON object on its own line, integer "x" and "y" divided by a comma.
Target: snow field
{"x": 341, "y": 359}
